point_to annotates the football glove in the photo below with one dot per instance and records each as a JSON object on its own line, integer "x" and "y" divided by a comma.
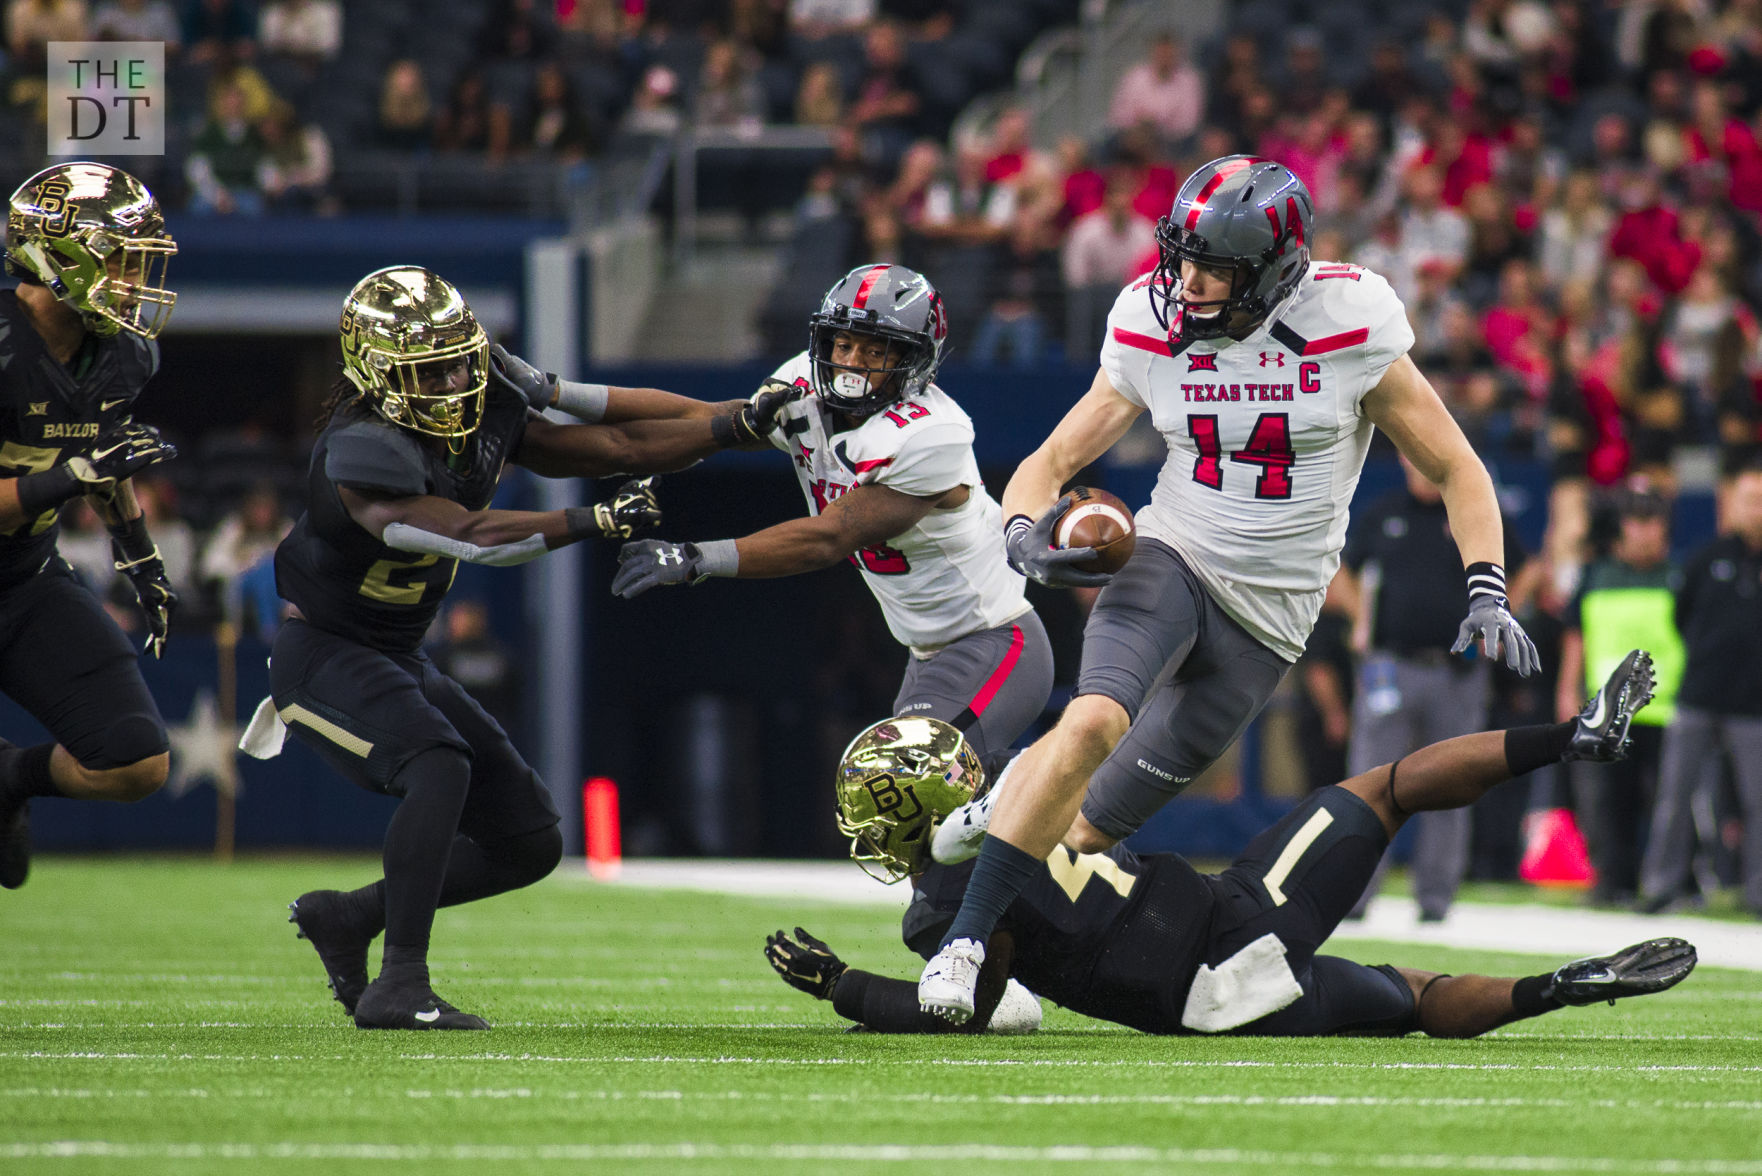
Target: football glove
{"x": 157, "y": 599}
{"x": 649, "y": 563}
{"x": 633, "y": 508}
{"x": 539, "y": 388}
{"x": 1029, "y": 549}
{"x": 117, "y": 453}
{"x": 804, "y": 963}
{"x": 753, "y": 424}
{"x": 1490, "y": 620}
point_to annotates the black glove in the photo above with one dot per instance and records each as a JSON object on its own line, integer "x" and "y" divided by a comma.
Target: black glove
{"x": 117, "y": 453}
{"x": 755, "y": 422}
{"x": 539, "y": 388}
{"x": 1492, "y": 622}
{"x": 804, "y": 963}
{"x": 633, "y": 508}
{"x": 649, "y": 563}
{"x": 1029, "y": 549}
{"x": 157, "y": 599}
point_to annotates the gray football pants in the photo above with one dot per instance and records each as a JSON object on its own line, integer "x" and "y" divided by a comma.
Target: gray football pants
{"x": 1404, "y": 704}
{"x": 1693, "y": 745}
{"x": 991, "y": 684}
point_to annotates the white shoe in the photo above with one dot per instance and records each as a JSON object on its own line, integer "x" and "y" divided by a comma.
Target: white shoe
{"x": 949, "y": 979}
{"x": 958, "y": 836}
{"x": 1018, "y": 1012}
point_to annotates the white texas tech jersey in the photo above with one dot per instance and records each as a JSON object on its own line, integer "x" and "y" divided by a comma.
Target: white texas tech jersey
{"x": 1266, "y": 439}
{"x": 947, "y": 576}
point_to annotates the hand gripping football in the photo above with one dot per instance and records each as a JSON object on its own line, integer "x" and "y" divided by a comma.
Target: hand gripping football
{"x": 1097, "y": 519}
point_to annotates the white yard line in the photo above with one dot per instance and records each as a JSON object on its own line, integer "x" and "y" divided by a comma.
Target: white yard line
{"x": 1225, "y": 1158}
{"x": 1522, "y": 928}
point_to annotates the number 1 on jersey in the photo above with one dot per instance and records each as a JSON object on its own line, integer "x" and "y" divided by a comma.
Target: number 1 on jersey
{"x": 1269, "y": 447}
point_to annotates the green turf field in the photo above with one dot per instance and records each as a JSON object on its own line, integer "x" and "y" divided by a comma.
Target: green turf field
{"x": 159, "y": 1016}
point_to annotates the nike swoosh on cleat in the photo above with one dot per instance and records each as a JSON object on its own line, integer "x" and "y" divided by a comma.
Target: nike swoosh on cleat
{"x": 1598, "y": 713}
{"x": 429, "y": 1017}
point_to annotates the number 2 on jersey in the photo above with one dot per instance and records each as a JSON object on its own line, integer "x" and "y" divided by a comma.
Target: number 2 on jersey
{"x": 1269, "y": 447}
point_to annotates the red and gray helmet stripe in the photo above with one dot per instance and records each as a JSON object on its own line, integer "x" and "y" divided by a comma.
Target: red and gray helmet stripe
{"x": 1224, "y": 172}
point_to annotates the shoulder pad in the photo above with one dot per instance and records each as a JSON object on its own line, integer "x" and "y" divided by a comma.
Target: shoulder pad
{"x": 375, "y": 457}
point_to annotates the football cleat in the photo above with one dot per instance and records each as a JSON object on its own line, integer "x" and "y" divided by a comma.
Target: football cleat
{"x": 1600, "y": 732}
{"x": 1644, "y": 968}
{"x": 392, "y": 1005}
{"x": 957, "y": 837}
{"x": 1018, "y": 1012}
{"x": 321, "y": 917}
{"x": 950, "y": 978}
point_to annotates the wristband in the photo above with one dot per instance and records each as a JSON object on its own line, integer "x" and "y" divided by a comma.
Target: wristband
{"x": 580, "y": 522}
{"x": 39, "y": 492}
{"x": 723, "y": 431}
{"x": 584, "y": 402}
{"x": 1016, "y": 525}
{"x": 1486, "y": 579}
{"x": 718, "y": 557}
{"x": 132, "y": 543}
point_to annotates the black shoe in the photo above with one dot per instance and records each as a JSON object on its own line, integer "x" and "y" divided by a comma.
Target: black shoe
{"x": 409, "y": 1006}
{"x": 1600, "y": 731}
{"x": 323, "y": 919}
{"x": 1644, "y": 968}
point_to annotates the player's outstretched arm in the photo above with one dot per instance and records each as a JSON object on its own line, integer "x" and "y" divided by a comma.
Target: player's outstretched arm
{"x": 881, "y": 1004}
{"x": 137, "y": 557}
{"x": 867, "y": 516}
{"x": 1089, "y": 430}
{"x": 1405, "y": 406}
{"x": 118, "y": 453}
{"x": 499, "y": 538}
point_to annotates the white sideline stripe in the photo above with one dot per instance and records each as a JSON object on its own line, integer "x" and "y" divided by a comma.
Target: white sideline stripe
{"x": 1318, "y": 1101}
{"x": 1029, "y": 1063}
{"x": 900, "y": 1154}
{"x": 1522, "y": 928}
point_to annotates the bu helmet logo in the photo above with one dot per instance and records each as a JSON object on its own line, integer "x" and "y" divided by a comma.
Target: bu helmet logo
{"x": 1275, "y": 358}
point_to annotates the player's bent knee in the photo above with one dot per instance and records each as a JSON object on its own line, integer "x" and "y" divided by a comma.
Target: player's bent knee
{"x": 1082, "y": 837}
{"x": 132, "y": 782}
{"x": 545, "y": 852}
{"x": 1093, "y": 724}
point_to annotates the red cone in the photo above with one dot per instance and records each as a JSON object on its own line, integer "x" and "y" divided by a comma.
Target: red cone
{"x": 1554, "y": 853}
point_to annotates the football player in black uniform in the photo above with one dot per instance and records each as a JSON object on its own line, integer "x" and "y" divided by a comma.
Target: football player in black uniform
{"x": 414, "y": 440}
{"x": 88, "y": 246}
{"x": 1151, "y": 943}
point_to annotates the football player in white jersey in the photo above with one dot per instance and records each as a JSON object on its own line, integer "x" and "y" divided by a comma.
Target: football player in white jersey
{"x": 885, "y": 460}
{"x": 1265, "y": 372}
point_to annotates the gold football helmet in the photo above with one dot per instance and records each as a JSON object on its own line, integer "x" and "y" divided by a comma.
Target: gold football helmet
{"x": 415, "y": 350}
{"x": 95, "y": 237}
{"x": 895, "y": 781}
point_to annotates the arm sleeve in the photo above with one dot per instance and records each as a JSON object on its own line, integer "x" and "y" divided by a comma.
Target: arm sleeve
{"x": 885, "y": 1005}
{"x": 370, "y": 457}
{"x": 404, "y": 537}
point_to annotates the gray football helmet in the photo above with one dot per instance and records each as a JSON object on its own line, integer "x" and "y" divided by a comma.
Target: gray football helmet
{"x": 1243, "y": 215}
{"x": 889, "y": 302}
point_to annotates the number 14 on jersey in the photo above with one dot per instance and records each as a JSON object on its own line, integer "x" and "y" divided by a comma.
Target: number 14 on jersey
{"x": 1268, "y": 448}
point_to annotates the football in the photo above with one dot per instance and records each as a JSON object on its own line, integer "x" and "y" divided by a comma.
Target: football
{"x": 1097, "y": 519}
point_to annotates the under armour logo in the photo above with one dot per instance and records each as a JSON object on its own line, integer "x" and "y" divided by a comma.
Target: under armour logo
{"x": 669, "y": 556}
{"x": 1276, "y": 358}
{"x": 1202, "y": 361}
{"x": 37, "y": 408}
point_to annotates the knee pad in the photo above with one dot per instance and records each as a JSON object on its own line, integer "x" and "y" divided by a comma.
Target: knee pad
{"x": 129, "y": 740}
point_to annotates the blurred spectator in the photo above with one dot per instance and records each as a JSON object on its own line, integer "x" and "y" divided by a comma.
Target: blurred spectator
{"x": 1625, "y": 600}
{"x": 965, "y": 207}
{"x": 1573, "y": 233}
{"x": 1084, "y": 187}
{"x": 1722, "y": 150}
{"x": 295, "y": 172}
{"x": 405, "y": 113}
{"x": 728, "y": 92}
{"x": 761, "y": 24}
{"x": 139, "y": 20}
{"x": 230, "y": 71}
{"x": 1648, "y": 231}
{"x": 819, "y": 101}
{"x": 1026, "y": 301}
{"x": 1527, "y": 167}
{"x": 463, "y": 124}
{"x": 1651, "y": 35}
{"x": 556, "y": 123}
{"x": 516, "y": 31}
{"x": 175, "y": 538}
{"x": 919, "y": 168}
{"x": 817, "y": 19}
{"x": 32, "y": 24}
{"x": 1388, "y": 84}
{"x": 887, "y": 100}
{"x": 1154, "y": 181}
{"x": 1232, "y": 79}
{"x": 1104, "y": 246}
{"x": 469, "y": 653}
{"x": 243, "y": 538}
{"x": 1304, "y": 80}
{"x": 1163, "y": 90}
{"x": 217, "y": 28}
{"x": 225, "y": 159}
{"x": 85, "y": 545}
{"x": 654, "y": 108}
{"x": 1519, "y": 327}
{"x": 308, "y": 29}
{"x": 1431, "y": 233}
{"x": 1719, "y": 705}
